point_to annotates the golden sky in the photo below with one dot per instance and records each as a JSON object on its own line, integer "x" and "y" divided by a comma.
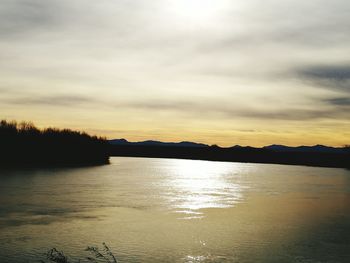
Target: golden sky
{"x": 246, "y": 72}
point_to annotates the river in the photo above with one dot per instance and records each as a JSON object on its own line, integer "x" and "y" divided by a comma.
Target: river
{"x": 169, "y": 210}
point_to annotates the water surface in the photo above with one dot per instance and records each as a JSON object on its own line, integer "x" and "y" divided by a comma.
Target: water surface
{"x": 168, "y": 210}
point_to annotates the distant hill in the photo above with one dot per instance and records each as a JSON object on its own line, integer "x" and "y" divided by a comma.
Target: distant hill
{"x": 315, "y": 148}
{"x": 157, "y": 143}
{"x": 274, "y": 147}
{"x": 279, "y": 154}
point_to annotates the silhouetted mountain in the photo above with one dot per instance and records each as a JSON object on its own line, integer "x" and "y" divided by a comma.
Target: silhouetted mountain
{"x": 25, "y": 145}
{"x": 157, "y": 143}
{"x": 315, "y": 148}
{"x": 304, "y": 155}
{"x": 119, "y": 142}
{"x": 273, "y": 147}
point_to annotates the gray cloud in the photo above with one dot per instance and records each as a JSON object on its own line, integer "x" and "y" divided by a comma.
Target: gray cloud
{"x": 223, "y": 111}
{"x": 162, "y": 105}
{"x": 188, "y": 108}
{"x": 52, "y": 100}
{"x": 24, "y": 16}
{"x": 296, "y": 114}
{"x": 196, "y": 108}
{"x": 341, "y": 101}
{"x": 337, "y": 73}
{"x": 336, "y": 77}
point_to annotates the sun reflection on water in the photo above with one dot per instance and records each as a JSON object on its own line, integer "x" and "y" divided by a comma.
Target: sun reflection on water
{"x": 202, "y": 184}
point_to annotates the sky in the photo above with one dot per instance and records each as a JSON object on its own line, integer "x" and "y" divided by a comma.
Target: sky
{"x": 246, "y": 72}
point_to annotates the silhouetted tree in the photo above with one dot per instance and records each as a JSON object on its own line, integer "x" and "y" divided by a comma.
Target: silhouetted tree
{"x": 23, "y": 144}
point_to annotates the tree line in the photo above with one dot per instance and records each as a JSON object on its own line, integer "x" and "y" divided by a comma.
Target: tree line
{"x": 23, "y": 144}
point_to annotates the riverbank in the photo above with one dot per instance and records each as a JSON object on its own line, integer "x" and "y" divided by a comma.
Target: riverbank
{"x": 235, "y": 154}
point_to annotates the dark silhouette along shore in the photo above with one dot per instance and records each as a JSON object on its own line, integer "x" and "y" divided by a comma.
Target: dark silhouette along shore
{"x": 318, "y": 155}
{"x": 24, "y": 145}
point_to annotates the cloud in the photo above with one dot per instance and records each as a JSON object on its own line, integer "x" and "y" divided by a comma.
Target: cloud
{"x": 161, "y": 105}
{"x": 252, "y": 62}
{"x": 337, "y": 73}
{"x": 335, "y": 77}
{"x": 224, "y": 111}
{"x": 52, "y": 100}
{"x": 341, "y": 101}
{"x": 189, "y": 108}
{"x": 296, "y": 114}
{"x": 24, "y": 16}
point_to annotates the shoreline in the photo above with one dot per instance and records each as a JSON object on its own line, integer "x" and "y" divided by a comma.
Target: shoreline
{"x": 245, "y": 155}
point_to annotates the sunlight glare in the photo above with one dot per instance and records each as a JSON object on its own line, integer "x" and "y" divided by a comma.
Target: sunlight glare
{"x": 203, "y": 184}
{"x": 197, "y": 11}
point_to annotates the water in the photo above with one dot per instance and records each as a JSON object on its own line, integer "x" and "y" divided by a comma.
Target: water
{"x": 167, "y": 210}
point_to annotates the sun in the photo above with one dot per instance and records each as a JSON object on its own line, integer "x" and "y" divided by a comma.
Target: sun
{"x": 196, "y": 11}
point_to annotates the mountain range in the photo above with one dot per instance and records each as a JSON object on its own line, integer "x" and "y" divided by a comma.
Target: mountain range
{"x": 157, "y": 143}
{"x": 273, "y": 147}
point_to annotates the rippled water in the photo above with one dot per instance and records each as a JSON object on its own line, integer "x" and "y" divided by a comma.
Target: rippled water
{"x": 167, "y": 210}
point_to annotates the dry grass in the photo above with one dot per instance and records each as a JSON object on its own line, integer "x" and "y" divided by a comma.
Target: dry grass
{"x": 97, "y": 255}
